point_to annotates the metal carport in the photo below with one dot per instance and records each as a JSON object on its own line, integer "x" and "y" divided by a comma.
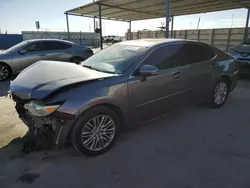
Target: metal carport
{"x": 132, "y": 10}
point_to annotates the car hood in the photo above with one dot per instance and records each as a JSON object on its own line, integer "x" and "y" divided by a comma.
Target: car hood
{"x": 45, "y": 77}
{"x": 242, "y": 48}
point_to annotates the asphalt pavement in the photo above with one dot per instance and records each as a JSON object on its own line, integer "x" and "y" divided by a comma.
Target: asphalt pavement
{"x": 192, "y": 147}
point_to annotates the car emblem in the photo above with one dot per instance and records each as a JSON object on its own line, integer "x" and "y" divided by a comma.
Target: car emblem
{"x": 244, "y": 54}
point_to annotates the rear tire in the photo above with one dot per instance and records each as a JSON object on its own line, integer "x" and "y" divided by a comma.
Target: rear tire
{"x": 220, "y": 94}
{"x": 5, "y": 72}
{"x": 77, "y": 60}
{"x": 93, "y": 134}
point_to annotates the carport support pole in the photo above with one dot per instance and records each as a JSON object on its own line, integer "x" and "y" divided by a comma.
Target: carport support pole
{"x": 100, "y": 24}
{"x": 167, "y": 18}
{"x": 172, "y": 27}
{"x": 247, "y": 21}
{"x": 67, "y": 20}
{"x": 130, "y": 32}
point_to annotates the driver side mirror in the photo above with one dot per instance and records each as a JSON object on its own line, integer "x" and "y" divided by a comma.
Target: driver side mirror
{"x": 148, "y": 70}
{"x": 23, "y": 51}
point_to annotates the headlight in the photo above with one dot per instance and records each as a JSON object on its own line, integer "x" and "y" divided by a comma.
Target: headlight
{"x": 38, "y": 109}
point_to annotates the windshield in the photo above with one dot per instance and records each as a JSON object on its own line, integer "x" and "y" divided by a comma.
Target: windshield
{"x": 17, "y": 46}
{"x": 114, "y": 59}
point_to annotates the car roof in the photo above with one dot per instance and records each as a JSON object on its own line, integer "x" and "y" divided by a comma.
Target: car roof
{"x": 53, "y": 40}
{"x": 152, "y": 42}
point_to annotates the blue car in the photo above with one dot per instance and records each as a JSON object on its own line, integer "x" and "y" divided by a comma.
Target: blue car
{"x": 242, "y": 54}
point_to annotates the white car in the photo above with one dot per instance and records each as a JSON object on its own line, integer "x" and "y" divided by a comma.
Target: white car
{"x": 112, "y": 38}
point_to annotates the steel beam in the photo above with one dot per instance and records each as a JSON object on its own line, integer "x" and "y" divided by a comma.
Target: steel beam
{"x": 67, "y": 20}
{"x": 94, "y": 19}
{"x": 104, "y": 18}
{"x": 100, "y": 24}
{"x": 172, "y": 27}
{"x": 246, "y": 28}
{"x": 94, "y": 24}
{"x": 130, "y": 32}
{"x": 167, "y": 18}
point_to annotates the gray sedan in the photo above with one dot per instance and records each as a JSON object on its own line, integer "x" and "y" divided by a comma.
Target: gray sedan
{"x": 22, "y": 55}
{"x": 120, "y": 87}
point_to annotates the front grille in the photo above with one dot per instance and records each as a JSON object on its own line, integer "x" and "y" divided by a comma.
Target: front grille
{"x": 245, "y": 54}
{"x": 244, "y": 59}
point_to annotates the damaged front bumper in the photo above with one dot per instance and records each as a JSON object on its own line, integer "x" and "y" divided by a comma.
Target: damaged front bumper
{"x": 55, "y": 126}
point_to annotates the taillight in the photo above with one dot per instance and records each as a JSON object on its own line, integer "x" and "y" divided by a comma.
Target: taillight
{"x": 90, "y": 51}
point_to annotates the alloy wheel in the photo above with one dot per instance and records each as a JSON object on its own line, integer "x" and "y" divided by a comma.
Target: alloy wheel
{"x": 77, "y": 60}
{"x": 4, "y": 72}
{"x": 220, "y": 93}
{"x": 98, "y": 132}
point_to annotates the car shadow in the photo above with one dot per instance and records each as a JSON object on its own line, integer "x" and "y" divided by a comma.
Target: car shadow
{"x": 4, "y": 87}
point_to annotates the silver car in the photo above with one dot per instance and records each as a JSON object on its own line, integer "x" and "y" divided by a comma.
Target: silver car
{"x": 120, "y": 87}
{"x": 22, "y": 55}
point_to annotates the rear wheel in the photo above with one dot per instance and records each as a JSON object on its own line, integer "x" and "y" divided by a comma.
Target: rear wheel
{"x": 4, "y": 72}
{"x": 77, "y": 60}
{"x": 96, "y": 131}
{"x": 220, "y": 94}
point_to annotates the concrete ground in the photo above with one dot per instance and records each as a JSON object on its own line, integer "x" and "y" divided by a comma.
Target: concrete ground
{"x": 190, "y": 148}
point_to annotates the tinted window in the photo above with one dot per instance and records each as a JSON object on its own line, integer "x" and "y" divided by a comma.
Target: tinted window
{"x": 194, "y": 53}
{"x": 115, "y": 59}
{"x": 39, "y": 46}
{"x": 53, "y": 45}
{"x": 164, "y": 57}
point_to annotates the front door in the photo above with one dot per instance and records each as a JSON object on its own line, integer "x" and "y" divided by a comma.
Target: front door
{"x": 28, "y": 55}
{"x": 156, "y": 95}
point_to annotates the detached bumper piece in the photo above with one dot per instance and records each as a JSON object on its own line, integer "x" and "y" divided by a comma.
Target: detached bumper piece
{"x": 45, "y": 132}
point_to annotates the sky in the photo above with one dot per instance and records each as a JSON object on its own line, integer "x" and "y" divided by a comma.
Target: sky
{"x": 20, "y": 15}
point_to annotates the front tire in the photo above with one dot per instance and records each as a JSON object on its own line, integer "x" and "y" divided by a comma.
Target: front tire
{"x": 5, "y": 72}
{"x": 220, "y": 94}
{"x": 96, "y": 131}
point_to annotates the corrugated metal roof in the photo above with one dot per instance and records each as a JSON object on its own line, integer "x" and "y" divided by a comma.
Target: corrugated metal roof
{"x": 131, "y": 10}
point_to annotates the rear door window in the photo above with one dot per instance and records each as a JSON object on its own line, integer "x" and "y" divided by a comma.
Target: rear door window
{"x": 164, "y": 57}
{"x": 54, "y": 45}
{"x": 193, "y": 53}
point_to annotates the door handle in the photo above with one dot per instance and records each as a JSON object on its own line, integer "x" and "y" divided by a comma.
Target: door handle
{"x": 177, "y": 75}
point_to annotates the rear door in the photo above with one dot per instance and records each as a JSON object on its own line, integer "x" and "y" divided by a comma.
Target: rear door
{"x": 58, "y": 51}
{"x": 156, "y": 95}
{"x": 197, "y": 60}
